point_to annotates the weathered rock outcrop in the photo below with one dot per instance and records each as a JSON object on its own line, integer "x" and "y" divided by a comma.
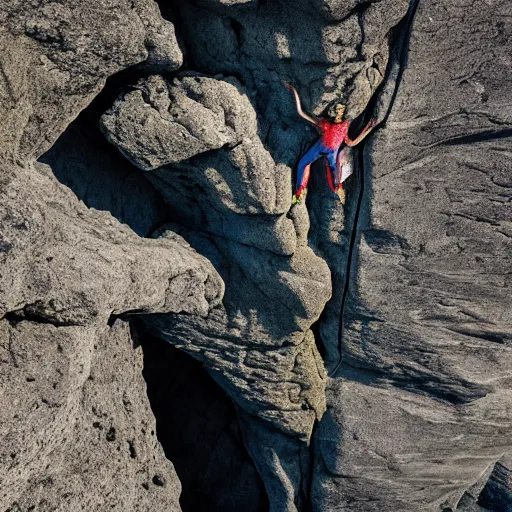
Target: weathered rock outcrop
{"x": 421, "y": 405}
{"x": 231, "y": 205}
{"x": 77, "y": 431}
{"x": 237, "y": 192}
{"x": 198, "y": 426}
{"x": 56, "y": 58}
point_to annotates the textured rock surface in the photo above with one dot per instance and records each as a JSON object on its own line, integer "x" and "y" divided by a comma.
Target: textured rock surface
{"x": 56, "y": 57}
{"x": 77, "y": 430}
{"x": 159, "y": 124}
{"x": 259, "y": 352}
{"x": 225, "y": 192}
{"x": 329, "y": 50}
{"x": 261, "y": 330}
{"x": 492, "y": 491}
{"x": 422, "y": 404}
{"x": 51, "y": 243}
{"x": 416, "y": 265}
{"x": 84, "y": 161}
{"x": 232, "y": 206}
{"x": 76, "y": 427}
{"x": 198, "y": 428}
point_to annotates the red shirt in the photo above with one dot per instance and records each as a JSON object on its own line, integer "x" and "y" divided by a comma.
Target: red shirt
{"x": 333, "y": 134}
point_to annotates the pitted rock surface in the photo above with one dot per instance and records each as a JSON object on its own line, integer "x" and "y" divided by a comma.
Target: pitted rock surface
{"x": 261, "y": 331}
{"x": 76, "y": 424}
{"x": 66, "y": 270}
{"x": 237, "y": 192}
{"x": 56, "y": 57}
{"x": 81, "y": 435}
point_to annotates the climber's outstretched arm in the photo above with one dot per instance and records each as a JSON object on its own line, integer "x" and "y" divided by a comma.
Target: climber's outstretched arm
{"x": 361, "y": 136}
{"x": 299, "y": 107}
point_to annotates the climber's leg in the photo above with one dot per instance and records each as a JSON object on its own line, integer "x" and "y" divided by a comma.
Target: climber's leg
{"x": 328, "y": 172}
{"x": 304, "y": 168}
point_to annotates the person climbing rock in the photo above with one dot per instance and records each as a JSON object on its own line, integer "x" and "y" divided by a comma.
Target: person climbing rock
{"x": 329, "y": 146}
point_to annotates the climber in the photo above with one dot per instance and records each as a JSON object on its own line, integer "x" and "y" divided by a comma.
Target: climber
{"x": 334, "y": 135}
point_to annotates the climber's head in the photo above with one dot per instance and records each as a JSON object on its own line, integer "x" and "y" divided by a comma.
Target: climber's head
{"x": 339, "y": 113}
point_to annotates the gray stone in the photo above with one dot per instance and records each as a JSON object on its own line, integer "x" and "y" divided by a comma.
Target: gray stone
{"x": 280, "y": 461}
{"x": 81, "y": 434}
{"x": 72, "y": 241}
{"x": 78, "y": 429}
{"x": 76, "y": 426}
{"x": 237, "y": 185}
{"x": 414, "y": 300}
{"x": 492, "y": 491}
{"x": 66, "y": 269}
{"x": 164, "y": 54}
{"x": 420, "y": 406}
{"x": 56, "y": 57}
{"x": 257, "y": 344}
{"x": 154, "y": 126}
{"x": 103, "y": 179}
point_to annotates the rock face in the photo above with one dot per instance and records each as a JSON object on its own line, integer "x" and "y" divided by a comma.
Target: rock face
{"x": 244, "y": 194}
{"x": 421, "y": 405}
{"x": 56, "y": 57}
{"x": 231, "y": 205}
{"x": 162, "y": 213}
{"x": 491, "y": 491}
{"x": 231, "y": 192}
{"x": 77, "y": 431}
{"x": 198, "y": 427}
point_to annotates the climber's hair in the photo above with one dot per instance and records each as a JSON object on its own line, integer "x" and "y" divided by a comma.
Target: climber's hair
{"x": 340, "y": 112}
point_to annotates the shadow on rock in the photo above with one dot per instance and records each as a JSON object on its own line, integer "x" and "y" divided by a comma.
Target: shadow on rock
{"x": 198, "y": 428}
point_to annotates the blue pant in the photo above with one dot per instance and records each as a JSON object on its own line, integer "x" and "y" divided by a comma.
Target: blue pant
{"x": 318, "y": 150}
